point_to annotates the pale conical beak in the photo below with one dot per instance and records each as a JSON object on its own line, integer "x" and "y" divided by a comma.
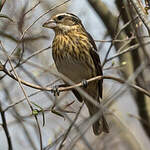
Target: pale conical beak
{"x": 50, "y": 24}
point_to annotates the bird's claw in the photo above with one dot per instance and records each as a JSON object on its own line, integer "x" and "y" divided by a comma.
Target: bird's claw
{"x": 84, "y": 83}
{"x": 55, "y": 90}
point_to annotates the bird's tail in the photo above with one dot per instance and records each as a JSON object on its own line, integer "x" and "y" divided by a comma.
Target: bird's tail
{"x": 100, "y": 126}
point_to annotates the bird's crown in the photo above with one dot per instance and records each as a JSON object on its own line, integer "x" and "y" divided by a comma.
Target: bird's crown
{"x": 66, "y": 18}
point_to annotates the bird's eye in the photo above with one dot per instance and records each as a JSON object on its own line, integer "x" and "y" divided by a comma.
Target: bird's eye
{"x": 60, "y": 17}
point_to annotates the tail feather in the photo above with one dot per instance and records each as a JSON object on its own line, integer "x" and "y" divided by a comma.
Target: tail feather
{"x": 100, "y": 126}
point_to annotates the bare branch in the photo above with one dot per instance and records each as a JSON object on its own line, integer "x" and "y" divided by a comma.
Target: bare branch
{"x": 141, "y": 14}
{"x": 5, "y": 127}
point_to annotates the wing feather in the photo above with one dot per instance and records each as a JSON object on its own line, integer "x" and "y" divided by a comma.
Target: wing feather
{"x": 97, "y": 63}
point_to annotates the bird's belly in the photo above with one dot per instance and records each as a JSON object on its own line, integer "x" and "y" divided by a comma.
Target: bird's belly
{"x": 74, "y": 70}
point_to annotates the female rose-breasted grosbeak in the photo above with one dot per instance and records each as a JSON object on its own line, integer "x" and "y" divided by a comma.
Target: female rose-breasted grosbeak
{"x": 75, "y": 56}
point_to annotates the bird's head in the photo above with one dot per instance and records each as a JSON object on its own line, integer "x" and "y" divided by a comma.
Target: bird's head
{"x": 63, "y": 22}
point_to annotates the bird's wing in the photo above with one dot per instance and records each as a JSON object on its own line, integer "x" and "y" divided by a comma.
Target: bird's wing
{"x": 97, "y": 63}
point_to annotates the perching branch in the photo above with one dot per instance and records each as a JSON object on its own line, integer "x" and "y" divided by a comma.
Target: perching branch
{"x": 61, "y": 89}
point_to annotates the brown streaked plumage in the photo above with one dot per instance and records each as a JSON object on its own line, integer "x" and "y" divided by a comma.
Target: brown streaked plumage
{"x": 75, "y": 56}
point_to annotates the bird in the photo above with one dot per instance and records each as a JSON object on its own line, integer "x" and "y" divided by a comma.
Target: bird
{"x": 75, "y": 55}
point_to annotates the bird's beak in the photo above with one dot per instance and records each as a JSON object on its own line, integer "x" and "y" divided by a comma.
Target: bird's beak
{"x": 50, "y": 24}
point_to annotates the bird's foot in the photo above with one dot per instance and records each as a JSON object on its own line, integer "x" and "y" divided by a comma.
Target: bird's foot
{"x": 55, "y": 90}
{"x": 84, "y": 83}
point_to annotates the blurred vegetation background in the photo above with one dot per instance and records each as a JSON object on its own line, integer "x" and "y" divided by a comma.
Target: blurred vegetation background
{"x": 121, "y": 31}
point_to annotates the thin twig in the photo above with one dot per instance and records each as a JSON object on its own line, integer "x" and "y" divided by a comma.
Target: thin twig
{"x": 5, "y": 16}
{"x": 25, "y": 60}
{"x": 32, "y": 8}
{"x": 124, "y": 40}
{"x": 111, "y": 45}
{"x": 70, "y": 127}
{"x": 27, "y": 101}
{"x": 25, "y": 31}
{"x": 61, "y": 89}
{"x": 129, "y": 49}
{"x": 4, "y": 125}
{"x": 20, "y": 84}
{"x": 141, "y": 14}
{"x": 116, "y": 36}
{"x": 2, "y": 2}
